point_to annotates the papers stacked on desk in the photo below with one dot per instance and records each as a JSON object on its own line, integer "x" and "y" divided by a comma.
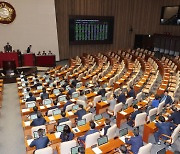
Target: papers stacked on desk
{"x": 42, "y": 107}
{"x": 38, "y": 98}
{"x": 57, "y": 134}
{"x": 122, "y": 112}
{"x": 25, "y": 110}
{"x": 27, "y": 123}
{"x": 97, "y": 150}
{"x": 70, "y": 113}
{"x": 29, "y": 141}
{"x": 48, "y": 106}
{"x": 51, "y": 118}
{"x": 75, "y": 129}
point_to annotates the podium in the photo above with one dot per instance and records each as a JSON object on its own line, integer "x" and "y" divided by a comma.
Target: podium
{"x": 28, "y": 59}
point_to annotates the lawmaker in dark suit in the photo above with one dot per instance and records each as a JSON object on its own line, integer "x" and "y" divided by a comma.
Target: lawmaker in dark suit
{"x": 29, "y": 49}
{"x": 106, "y": 127}
{"x": 67, "y": 103}
{"x": 35, "y": 110}
{"x": 136, "y": 141}
{"x": 44, "y": 94}
{"x": 80, "y": 112}
{"x": 73, "y": 89}
{"x": 163, "y": 128}
{"x": 166, "y": 98}
{"x": 31, "y": 98}
{"x": 40, "y": 142}
{"x": 74, "y": 82}
{"x": 175, "y": 116}
{"x": 121, "y": 98}
{"x": 91, "y": 131}
{"x": 8, "y": 48}
{"x": 102, "y": 92}
{"x": 66, "y": 135}
{"x": 37, "y": 83}
{"x": 133, "y": 116}
{"x": 39, "y": 121}
{"x": 64, "y": 118}
{"x": 131, "y": 92}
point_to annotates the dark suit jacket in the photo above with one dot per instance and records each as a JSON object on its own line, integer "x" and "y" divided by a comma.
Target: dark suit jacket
{"x": 8, "y": 48}
{"x": 133, "y": 115}
{"x": 74, "y": 82}
{"x": 31, "y": 99}
{"x": 131, "y": 93}
{"x": 66, "y": 137}
{"x": 175, "y": 117}
{"x": 136, "y": 142}
{"x": 164, "y": 128}
{"x": 65, "y": 105}
{"x": 106, "y": 129}
{"x": 38, "y": 122}
{"x": 44, "y": 96}
{"x": 91, "y": 131}
{"x": 122, "y": 98}
{"x": 168, "y": 99}
{"x": 71, "y": 91}
{"x": 102, "y": 92}
{"x": 80, "y": 113}
{"x": 62, "y": 120}
{"x": 40, "y": 143}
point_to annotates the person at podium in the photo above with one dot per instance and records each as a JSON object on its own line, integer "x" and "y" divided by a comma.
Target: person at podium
{"x": 29, "y": 49}
{"x": 8, "y": 47}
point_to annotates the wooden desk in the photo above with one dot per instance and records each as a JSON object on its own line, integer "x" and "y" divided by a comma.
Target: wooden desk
{"x": 101, "y": 107}
{"x": 148, "y": 130}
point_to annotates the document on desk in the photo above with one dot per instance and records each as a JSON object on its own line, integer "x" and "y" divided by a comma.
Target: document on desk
{"x": 97, "y": 150}
{"x": 122, "y": 138}
{"x": 48, "y": 106}
{"x": 42, "y": 107}
{"x": 29, "y": 141}
{"x": 96, "y": 124}
{"x": 76, "y": 130}
{"x": 57, "y": 134}
{"x": 70, "y": 113}
{"x": 38, "y": 98}
{"x": 25, "y": 110}
{"x": 122, "y": 112}
{"x": 27, "y": 123}
{"x": 51, "y": 118}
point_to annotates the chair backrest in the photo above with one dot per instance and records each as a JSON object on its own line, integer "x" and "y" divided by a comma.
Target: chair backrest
{"x": 117, "y": 108}
{"x": 69, "y": 107}
{"x": 160, "y": 107}
{"x": 65, "y": 147}
{"x": 88, "y": 117}
{"x": 140, "y": 119}
{"x": 97, "y": 99}
{"x": 69, "y": 123}
{"x": 47, "y": 150}
{"x": 75, "y": 94}
{"x": 92, "y": 139}
{"x": 175, "y": 134}
{"x": 146, "y": 149}
{"x": 82, "y": 103}
{"x": 111, "y": 132}
{"x": 129, "y": 101}
{"x": 152, "y": 112}
{"x": 108, "y": 94}
{"x": 34, "y": 129}
{"x": 139, "y": 96}
{"x": 111, "y": 81}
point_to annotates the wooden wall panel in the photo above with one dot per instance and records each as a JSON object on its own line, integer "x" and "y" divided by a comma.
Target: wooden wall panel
{"x": 142, "y": 15}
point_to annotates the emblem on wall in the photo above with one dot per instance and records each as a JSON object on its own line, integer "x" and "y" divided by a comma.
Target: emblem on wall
{"x": 7, "y": 13}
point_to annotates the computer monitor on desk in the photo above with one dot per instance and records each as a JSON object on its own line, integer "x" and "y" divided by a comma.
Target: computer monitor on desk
{"x": 123, "y": 132}
{"x": 81, "y": 122}
{"x": 102, "y": 140}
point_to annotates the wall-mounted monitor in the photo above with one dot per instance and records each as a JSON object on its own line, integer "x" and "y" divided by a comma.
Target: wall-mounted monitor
{"x": 170, "y": 15}
{"x": 91, "y": 29}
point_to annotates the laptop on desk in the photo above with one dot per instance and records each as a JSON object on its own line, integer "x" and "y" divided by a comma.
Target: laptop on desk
{"x": 102, "y": 140}
{"x": 60, "y": 128}
{"x": 36, "y": 135}
{"x": 75, "y": 107}
{"x": 33, "y": 116}
{"x": 74, "y": 150}
{"x": 152, "y": 118}
{"x": 123, "y": 133}
{"x": 81, "y": 122}
{"x": 98, "y": 117}
{"x": 56, "y": 112}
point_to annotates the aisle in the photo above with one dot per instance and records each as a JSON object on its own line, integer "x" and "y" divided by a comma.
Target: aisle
{"x": 11, "y": 132}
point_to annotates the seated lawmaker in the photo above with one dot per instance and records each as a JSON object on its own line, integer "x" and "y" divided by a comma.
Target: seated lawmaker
{"x": 155, "y": 102}
{"x": 121, "y": 97}
{"x": 73, "y": 89}
{"x": 37, "y": 83}
{"x": 166, "y": 98}
{"x": 81, "y": 112}
{"x": 106, "y": 127}
{"x": 66, "y": 135}
{"x": 44, "y": 94}
{"x": 175, "y": 116}
{"x": 39, "y": 121}
{"x": 74, "y": 82}
{"x": 64, "y": 118}
{"x": 163, "y": 128}
{"x": 136, "y": 141}
{"x": 35, "y": 110}
{"x": 40, "y": 142}
{"x": 31, "y": 97}
{"x": 131, "y": 92}
{"x": 133, "y": 115}
{"x": 102, "y": 91}
{"x": 82, "y": 96}
{"x": 91, "y": 131}
{"x": 67, "y": 103}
